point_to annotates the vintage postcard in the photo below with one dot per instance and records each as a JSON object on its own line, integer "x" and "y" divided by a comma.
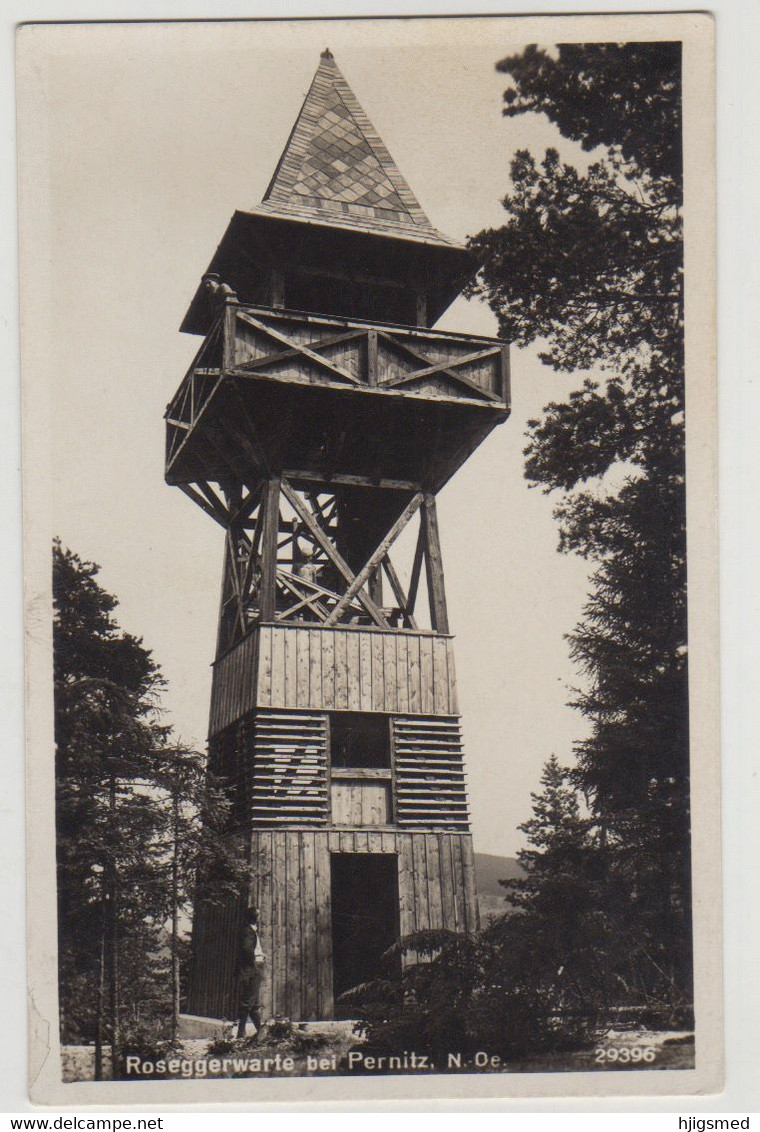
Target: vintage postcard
{"x": 369, "y": 439}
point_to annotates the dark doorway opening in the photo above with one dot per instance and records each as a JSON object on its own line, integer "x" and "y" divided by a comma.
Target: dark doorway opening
{"x": 365, "y": 919}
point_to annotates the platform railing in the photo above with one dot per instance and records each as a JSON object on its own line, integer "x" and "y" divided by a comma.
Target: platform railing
{"x": 268, "y": 341}
{"x": 387, "y": 356}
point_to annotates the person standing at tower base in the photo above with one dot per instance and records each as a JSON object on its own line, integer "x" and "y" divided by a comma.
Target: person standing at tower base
{"x": 250, "y": 973}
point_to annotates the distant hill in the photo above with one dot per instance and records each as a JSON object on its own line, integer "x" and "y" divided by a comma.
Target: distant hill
{"x": 489, "y": 870}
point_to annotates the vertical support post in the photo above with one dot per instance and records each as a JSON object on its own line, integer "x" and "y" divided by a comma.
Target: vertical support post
{"x": 375, "y": 585}
{"x": 222, "y": 637}
{"x": 270, "y": 530}
{"x": 236, "y": 613}
{"x": 439, "y": 618}
{"x": 505, "y": 391}
{"x": 228, "y": 335}
{"x": 277, "y": 287}
{"x": 421, "y": 308}
{"x": 419, "y": 554}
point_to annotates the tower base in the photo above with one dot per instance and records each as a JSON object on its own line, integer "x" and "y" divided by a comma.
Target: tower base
{"x": 330, "y": 902}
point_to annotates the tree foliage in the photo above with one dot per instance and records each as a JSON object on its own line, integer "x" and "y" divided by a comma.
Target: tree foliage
{"x": 529, "y": 981}
{"x": 107, "y": 830}
{"x": 562, "y": 965}
{"x": 589, "y": 265}
{"x": 626, "y": 97}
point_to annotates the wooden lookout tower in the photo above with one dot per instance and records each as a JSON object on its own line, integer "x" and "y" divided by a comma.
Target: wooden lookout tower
{"x": 317, "y": 422}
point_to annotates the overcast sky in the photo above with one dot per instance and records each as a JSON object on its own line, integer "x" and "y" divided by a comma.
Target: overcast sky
{"x": 154, "y": 134}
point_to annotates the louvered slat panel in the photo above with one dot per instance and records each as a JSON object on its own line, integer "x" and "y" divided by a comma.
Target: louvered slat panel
{"x": 289, "y": 769}
{"x": 447, "y": 775}
{"x": 441, "y": 794}
{"x": 430, "y": 783}
{"x": 429, "y": 765}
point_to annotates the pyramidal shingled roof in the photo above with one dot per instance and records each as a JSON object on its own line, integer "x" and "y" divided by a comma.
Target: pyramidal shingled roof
{"x": 336, "y": 170}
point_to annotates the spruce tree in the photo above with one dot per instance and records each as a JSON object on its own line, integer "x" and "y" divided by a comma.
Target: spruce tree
{"x": 137, "y": 820}
{"x": 589, "y": 263}
{"x": 108, "y": 829}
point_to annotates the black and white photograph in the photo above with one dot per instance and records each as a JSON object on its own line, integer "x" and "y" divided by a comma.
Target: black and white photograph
{"x": 369, "y": 506}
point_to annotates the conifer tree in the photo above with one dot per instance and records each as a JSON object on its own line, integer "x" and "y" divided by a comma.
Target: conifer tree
{"x": 589, "y": 263}
{"x": 108, "y": 830}
{"x": 136, "y": 820}
{"x": 555, "y": 954}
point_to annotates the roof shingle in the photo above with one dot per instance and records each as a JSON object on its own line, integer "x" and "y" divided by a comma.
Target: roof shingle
{"x": 336, "y": 170}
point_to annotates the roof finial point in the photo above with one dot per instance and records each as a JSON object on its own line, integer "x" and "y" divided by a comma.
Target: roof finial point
{"x": 326, "y": 54}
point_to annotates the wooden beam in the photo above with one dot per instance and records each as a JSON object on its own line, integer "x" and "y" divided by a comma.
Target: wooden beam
{"x": 294, "y": 351}
{"x": 296, "y": 474}
{"x": 228, "y": 340}
{"x": 485, "y": 401}
{"x": 233, "y": 540}
{"x": 414, "y": 581}
{"x": 196, "y": 497}
{"x": 316, "y": 507}
{"x": 311, "y": 602}
{"x": 506, "y": 392}
{"x": 213, "y": 499}
{"x": 449, "y": 369}
{"x": 376, "y": 586}
{"x": 446, "y": 368}
{"x": 297, "y": 586}
{"x": 173, "y": 439}
{"x": 300, "y": 585}
{"x": 237, "y": 469}
{"x": 439, "y": 617}
{"x": 376, "y": 558}
{"x": 372, "y": 357}
{"x": 251, "y": 563}
{"x": 277, "y": 287}
{"x": 304, "y": 351}
{"x": 357, "y": 772}
{"x": 398, "y": 591}
{"x": 195, "y": 363}
{"x": 233, "y": 562}
{"x": 248, "y": 505}
{"x": 183, "y": 440}
{"x": 323, "y": 541}
{"x": 270, "y": 529}
{"x": 222, "y": 633}
{"x": 248, "y": 438}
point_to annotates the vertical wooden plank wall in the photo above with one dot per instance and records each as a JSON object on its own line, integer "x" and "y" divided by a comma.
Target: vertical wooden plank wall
{"x": 358, "y": 670}
{"x": 334, "y": 670}
{"x": 216, "y": 935}
{"x": 286, "y": 679}
{"x": 360, "y": 803}
{"x": 234, "y": 684}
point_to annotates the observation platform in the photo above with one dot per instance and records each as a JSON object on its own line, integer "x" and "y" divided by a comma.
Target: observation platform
{"x": 326, "y": 399}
